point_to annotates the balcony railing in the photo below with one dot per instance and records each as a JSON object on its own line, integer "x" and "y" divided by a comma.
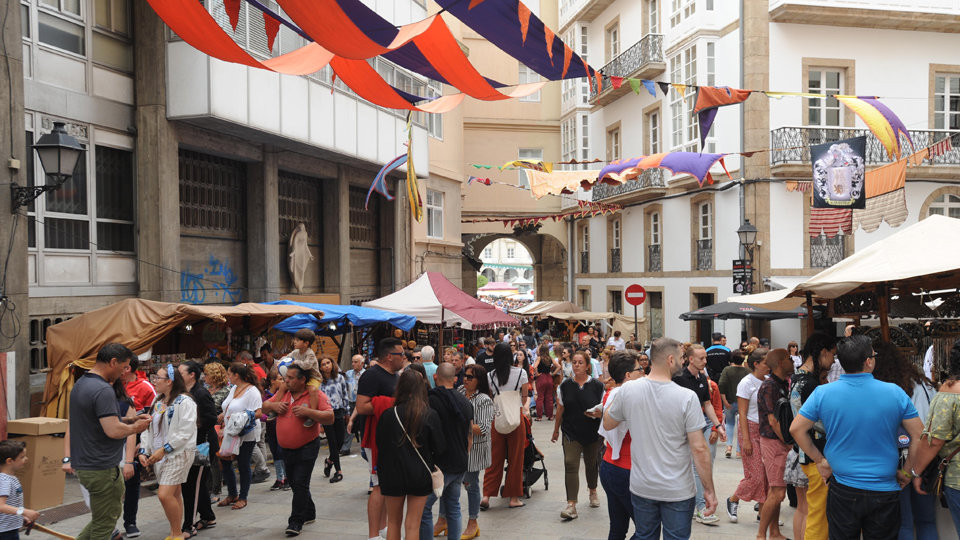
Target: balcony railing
{"x": 615, "y": 260}
{"x": 584, "y": 262}
{"x": 632, "y": 62}
{"x": 826, "y": 252}
{"x": 792, "y": 144}
{"x": 705, "y": 254}
{"x": 648, "y": 179}
{"x": 654, "y": 260}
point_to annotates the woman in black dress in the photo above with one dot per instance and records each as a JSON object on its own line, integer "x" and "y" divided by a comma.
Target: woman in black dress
{"x": 403, "y": 469}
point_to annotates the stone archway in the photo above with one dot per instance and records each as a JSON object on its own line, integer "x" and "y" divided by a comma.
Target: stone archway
{"x": 549, "y": 262}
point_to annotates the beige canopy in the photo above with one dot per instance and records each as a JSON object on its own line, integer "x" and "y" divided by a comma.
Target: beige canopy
{"x": 547, "y": 307}
{"x": 138, "y": 324}
{"x": 619, "y": 322}
{"x": 921, "y": 256}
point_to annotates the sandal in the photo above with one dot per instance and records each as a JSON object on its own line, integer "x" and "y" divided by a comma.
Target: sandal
{"x": 336, "y": 478}
{"x": 227, "y": 501}
{"x": 204, "y": 524}
{"x": 239, "y": 505}
{"x": 327, "y": 465}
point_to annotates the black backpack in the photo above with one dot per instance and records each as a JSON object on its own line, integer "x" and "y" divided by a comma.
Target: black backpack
{"x": 783, "y": 411}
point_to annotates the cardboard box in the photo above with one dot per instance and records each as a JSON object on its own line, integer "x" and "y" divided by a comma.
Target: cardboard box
{"x": 43, "y": 478}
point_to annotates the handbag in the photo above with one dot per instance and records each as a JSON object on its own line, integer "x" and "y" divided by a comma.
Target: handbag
{"x": 202, "y": 456}
{"x": 507, "y": 405}
{"x": 931, "y": 479}
{"x": 436, "y": 475}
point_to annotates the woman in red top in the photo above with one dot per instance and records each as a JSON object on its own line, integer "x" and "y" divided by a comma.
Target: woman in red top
{"x": 615, "y": 467}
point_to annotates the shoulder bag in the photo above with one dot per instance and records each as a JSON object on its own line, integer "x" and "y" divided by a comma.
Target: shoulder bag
{"x": 931, "y": 479}
{"x": 436, "y": 475}
{"x": 508, "y": 404}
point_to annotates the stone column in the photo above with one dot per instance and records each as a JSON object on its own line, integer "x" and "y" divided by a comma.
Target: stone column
{"x": 263, "y": 229}
{"x": 158, "y": 177}
{"x": 336, "y": 236}
{"x": 14, "y": 270}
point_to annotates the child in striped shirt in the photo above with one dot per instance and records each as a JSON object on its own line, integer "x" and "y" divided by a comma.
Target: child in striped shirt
{"x": 13, "y": 457}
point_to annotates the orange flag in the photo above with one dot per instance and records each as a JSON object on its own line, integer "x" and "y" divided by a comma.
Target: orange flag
{"x": 548, "y": 36}
{"x": 523, "y": 12}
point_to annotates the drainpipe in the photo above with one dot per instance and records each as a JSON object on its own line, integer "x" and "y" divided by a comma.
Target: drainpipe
{"x": 742, "y": 132}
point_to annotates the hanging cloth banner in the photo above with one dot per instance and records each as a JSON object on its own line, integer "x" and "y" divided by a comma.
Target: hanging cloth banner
{"x": 379, "y": 183}
{"x": 883, "y": 123}
{"x": 709, "y": 100}
{"x": 830, "y": 221}
{"x": 693, "y": 163}
{"x": 545, "y": 166}
{"x": 890, "y": 207}
{"x": 838, "y": 173}
{"x": 941, "y": 148}
{"x": 801, "y": 186}
{"x": 484, "y": 181}
{"x": 413, "y": 188}
{"x": 886, "y": 179}
{"x": 554, "y": 183}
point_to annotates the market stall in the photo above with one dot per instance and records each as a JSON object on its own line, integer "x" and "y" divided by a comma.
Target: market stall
{"x": 737, "y": 310}
{"x": 547, "y": 307}
{"x": 173, "y": 330}
{"x": 610, "y": 321}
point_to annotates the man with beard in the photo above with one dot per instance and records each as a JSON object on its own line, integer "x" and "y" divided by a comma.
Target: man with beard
{"x": 666, "y": 425}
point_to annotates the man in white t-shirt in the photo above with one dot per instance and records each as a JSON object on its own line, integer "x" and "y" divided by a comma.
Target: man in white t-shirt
{"x": 666, "y": 426}
{"x": 617, "y": 342}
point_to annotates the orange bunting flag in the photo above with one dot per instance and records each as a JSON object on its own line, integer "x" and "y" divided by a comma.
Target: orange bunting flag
{"x": 599, "y": 79}
{"x": 271, "y": 26}
{"x": 523, "y": 12}
{"x": 548, "y": 36}
{"x": 233, "y": 12}
{"x": 567, "y": 56}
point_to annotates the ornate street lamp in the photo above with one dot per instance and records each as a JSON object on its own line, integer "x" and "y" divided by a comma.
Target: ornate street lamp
{"x": 58, "y": 153}
{"x": 748, "y": 237}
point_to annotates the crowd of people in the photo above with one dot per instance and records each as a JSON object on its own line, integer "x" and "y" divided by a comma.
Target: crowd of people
{"x": 843, "y": 428}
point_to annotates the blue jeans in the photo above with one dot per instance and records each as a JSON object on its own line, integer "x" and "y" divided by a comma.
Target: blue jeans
{"x": 730, "y": 418}
{"x": 953, "y": 503}
{"x": 917, "y": 512}
{"x": 616, "y": 483}
{"x": 243, "y": 467}
{"x": 450, "y": 497}
{"x": 650, "y": 516}
{"x": 472, "y": 482}
{"x": 701, "y": 503}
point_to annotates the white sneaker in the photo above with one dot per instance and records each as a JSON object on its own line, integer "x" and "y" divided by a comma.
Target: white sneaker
{"x": 712, "y": 519}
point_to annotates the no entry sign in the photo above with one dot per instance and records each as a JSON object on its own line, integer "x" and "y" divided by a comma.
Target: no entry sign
{"x": 635, "y": 295}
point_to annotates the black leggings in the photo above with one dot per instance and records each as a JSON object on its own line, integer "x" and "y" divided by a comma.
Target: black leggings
{"x": 335, "y": 434}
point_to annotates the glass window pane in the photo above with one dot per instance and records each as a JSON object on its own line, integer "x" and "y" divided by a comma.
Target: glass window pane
{"x": 25, "y": 20}
{"x": 833, "y": 79}
{"x": 71, "y": 6}
{"x": 119, "y": 17}
{"x": 833, "y": 117}
{"x": 114, "y": 183}
{"x": 940, "y": 84}
{"x": 32, "y": 232}
{"x": 954, "y": 103}
{"x": 60, "y": 33}
{"x": 814, "y": 81}
{"x": 938, "y": 102}
{"x": 52, "y": 3}
{"x": 955, "y": 212}
{"x": 954, "y": 85}
{"x": 115, "y": 237}
{"x": 937, "y": 211}
{"x": 953, "y": 198}
{"x": 66, "y": 234}
{"x": 71, "y": 198}
{"x": 112, "y": 52}
{"x": 28, "y": 167}
{"x": 102, "y": 13}
{"x": 814, "y": 116}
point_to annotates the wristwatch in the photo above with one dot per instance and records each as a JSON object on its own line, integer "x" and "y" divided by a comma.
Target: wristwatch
{"x": 20, "y": 511}
{"x": 66, "y": 459}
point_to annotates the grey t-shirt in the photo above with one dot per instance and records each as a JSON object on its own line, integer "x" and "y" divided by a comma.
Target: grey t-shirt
{"x": 91, "y": 449}
{"x": 659, "y": 415}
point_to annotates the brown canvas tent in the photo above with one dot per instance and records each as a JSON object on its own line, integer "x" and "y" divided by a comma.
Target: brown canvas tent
{"x": 138, "y": 324}
{"x": 616, "y": 321}
{"x": 547, "y": 307}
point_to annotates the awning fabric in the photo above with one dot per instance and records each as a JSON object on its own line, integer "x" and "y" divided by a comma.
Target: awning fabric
{"x": 547, "y": 307}
{"x": 736, "y": 310}
{"x": 433, "y": 299}
{"x": 358, "y": 316}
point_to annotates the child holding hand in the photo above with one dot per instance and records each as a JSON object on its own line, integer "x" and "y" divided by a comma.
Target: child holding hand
{"x": 13, "y": 458}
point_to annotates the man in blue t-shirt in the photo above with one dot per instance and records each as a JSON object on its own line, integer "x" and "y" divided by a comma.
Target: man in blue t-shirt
{"x": 861, "y": 416}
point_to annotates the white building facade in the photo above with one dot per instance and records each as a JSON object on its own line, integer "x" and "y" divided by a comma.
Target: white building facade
{"x": 679, "y": 240}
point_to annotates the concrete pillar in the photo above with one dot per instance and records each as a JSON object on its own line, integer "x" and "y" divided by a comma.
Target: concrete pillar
{"x": 14, "y": 284}
{"x": 158, "y": 177}
{"x": 336, "y": 236}
{"x": 263, "y": 229}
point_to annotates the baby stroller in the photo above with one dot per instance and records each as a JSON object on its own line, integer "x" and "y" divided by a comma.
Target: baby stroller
{"x": 532, "y": 456}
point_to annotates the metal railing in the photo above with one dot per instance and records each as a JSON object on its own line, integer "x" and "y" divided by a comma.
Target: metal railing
{"x": 654, "y": 259}
{"x": 615, "y": 265}
{"x": 649, "y": 178}
{"x": 584, "y": 262}
{"x": 649, "y": 49}
{"x": 705, "y": 254}
{"x": 792, "y": 144}
{"x": 826, "y": 252}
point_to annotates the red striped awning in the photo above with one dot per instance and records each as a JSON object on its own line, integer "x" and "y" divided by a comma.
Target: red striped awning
{"x": 830, "y": 221}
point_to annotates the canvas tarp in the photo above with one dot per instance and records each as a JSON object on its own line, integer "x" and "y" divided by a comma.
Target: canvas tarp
{"x": 546, "y": 307}
{"x": 917, "y": 257}
{"x": 615, "y": 321}
{"x": 138, "y": 324}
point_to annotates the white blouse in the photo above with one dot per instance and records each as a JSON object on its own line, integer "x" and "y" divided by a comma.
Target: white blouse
{"x": 250, "y": 400}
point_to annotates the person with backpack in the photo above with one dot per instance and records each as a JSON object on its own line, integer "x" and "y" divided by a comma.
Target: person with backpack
{"x": 773, "y": 449}
{"x": 510, "y": 388}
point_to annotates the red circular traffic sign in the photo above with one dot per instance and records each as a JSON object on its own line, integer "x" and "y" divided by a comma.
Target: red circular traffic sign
{"x": 635, "y": 295}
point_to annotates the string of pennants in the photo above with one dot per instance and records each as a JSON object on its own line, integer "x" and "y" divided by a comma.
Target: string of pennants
{"x": 586, "y": 209}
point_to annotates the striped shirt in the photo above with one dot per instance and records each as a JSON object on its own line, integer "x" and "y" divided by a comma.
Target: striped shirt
{"x": 479, "y": 458}
{"x": 10, "y": 488}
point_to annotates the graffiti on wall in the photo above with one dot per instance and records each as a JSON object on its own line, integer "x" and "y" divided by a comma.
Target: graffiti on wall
{"x": 217, "y": 278}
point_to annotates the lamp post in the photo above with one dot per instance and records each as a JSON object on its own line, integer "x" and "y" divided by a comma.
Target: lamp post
{"x": 748, "y": 237}
{"x": 58, "y": 153}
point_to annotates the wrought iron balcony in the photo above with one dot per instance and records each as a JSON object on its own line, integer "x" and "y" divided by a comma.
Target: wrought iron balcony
{"x": 792, "y": 144}
{"x": 650, "y": 178}
{"x": 584, "y": 262}
{"x": 826, "y": 252}
{"x": 705, "y": 254}
{"x": 654, "y": 260}
{"x": 615, "y": 260}
{"x": 644, "y": 60}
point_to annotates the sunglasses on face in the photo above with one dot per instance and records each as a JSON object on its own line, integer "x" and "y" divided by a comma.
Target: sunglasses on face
{"x": 417, "y": 357}
{"x": 469, "y": 377}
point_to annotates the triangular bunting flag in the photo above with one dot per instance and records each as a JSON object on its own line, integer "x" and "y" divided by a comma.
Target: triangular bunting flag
{"x": 664, "y": 87}
{"x": 634, "y": 84}
{"x": 523, "y": 12}
{"x": 233, "y": 12}
{"x": 548, "y": 36}
{"x": 271, "y": 26}
{"x": 599, "y": 77}
{"x": 650, "y": 87}
{"x": 681, "y": 88}
{"x": 617, "y": 82}
{"x": 567, "y": 55}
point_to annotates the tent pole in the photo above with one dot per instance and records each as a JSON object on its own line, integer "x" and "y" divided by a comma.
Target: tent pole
{"x": 884, "y": 320}
{"x": 441, "y": 329}
{"x": 810, "y": 325}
